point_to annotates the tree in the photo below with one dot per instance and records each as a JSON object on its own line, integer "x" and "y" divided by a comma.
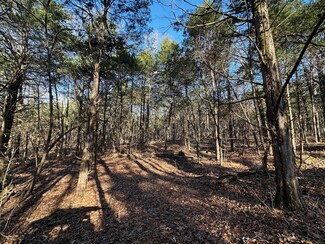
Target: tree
{"x": 51, "y": 33}
{"x": 256, "y": 12}
{"x": 211, "y": 46}
{"x": 288, "y": 193}
{"x": 13, "y": 56}
{"x": 102, "y": 39}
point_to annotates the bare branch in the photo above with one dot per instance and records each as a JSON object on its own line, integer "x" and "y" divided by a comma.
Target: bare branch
{"x": 311, "y": 36}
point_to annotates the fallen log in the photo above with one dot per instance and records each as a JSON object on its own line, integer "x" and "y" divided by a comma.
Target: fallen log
{"x": 228, "y": 178}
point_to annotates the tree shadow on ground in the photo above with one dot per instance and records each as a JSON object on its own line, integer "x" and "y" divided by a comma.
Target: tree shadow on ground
{"x": 48, "y": 179}
{"x": 145, "y": 204}
{"x": 62, "y": 226}
{"x": 189, "y": 165}
{"x": 151, "y": 215}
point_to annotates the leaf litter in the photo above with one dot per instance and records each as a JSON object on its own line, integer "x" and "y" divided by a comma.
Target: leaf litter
{"x": 147, "y": 198}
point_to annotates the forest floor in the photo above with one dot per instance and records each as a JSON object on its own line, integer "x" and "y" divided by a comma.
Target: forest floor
{"x": 161, "y": 198}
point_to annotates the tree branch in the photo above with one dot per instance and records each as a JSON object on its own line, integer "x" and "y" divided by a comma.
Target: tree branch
{"x": 311, "y": 36}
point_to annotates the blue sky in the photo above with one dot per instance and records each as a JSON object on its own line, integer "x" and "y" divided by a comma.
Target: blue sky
{"x": 162, "y": 17}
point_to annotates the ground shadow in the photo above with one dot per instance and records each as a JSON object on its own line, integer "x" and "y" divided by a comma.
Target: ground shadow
{"x": 49, "y": 178}
{"x": 63, "y": 226}
{"x": 141, "y": 202}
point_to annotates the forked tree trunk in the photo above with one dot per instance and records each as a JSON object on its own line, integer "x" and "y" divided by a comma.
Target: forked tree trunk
{"x": 288, "y": 194}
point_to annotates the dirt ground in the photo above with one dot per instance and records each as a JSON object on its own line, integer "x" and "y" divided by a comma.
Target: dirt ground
{"x": 154, "y": 198}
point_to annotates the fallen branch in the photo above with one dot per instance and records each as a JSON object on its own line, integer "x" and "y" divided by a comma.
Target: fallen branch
{"x": 228, "y": 178}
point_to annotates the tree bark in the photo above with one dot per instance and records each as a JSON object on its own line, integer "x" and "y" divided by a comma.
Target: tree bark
{"x": 89, "y": 151}
{"x": 288, "y": 194}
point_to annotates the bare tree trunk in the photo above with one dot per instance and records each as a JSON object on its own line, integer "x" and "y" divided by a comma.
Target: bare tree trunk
{"x": 300, "y": 121}
{"x": 320, "y": 66}
{"x": 292, "y": 128}
{"x": 173, "y": 118}
{"x": 39, "y": 129}
{"x": 231, "y": 128}
{"x": 195, "y": 126}
{"x": 288, "y": 193}
{"x": 60, "y": 121}
{"x": 148, "y": 138}
{"x": 215, "y": 115}
{"x": 258, "y": 118}
{"x": 131, "y": 136}
{"x": 187, "y": 141}
{"x": 142, "y": 113}
{"x": 256, "y": 104}
{"x": 68, "y": 136}
{"x": 26, "y": 146}
{"x": 104, "y": 129}
{"x": 89, "y": 151}
{"x": 120, "y": 120}
{"x": 78, "y": 145}
{"x": 306, "y": 119}
{"x": 168, "y": 125}
{"x": 314, "y": 113}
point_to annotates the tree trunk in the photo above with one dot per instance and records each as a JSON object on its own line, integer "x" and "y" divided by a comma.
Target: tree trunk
{"x": 148, "y": 138}
{"x": 131, "y": 135}
{"x": 10, "y": 101}
{"x": 89, "y": 151}
{"x": 168, "y": 126}
{"x": 187, "y": 141}
{"x": 312, "y": 94}
{"x": 292, "y": 128}
{"x": 230, "y": 118}
{"x": 288, "y": 194}
{"x": 300, "y": 122}
{"x": 320, "y": 66}
{"x": 68, "y": 136}
{"x": 104, "y": 130}
{"x": 9, "y": 108}
{"x": 51, "y": 110}
{"x": 215, "y": 115}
